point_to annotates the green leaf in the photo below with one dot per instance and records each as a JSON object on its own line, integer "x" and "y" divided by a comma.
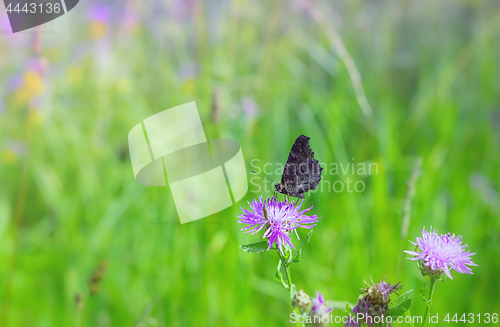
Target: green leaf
{"x": 288, "y": 252}
{"x": 293, "y": 291}
{"x": 423, "y": 291}
{"x": 278, "y": 272}
{"x": 255, "y": 247}
{"x": 400, "y": 309}
{"x": 403, "y": 298}
{"x": 401, "y": 304}
{"x": 295, "y": 257}
{"x": 306, "y": 240}
{"x": 279, "y": 276}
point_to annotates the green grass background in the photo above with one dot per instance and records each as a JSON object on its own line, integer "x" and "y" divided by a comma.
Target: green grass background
{"x": 430, "y": 71}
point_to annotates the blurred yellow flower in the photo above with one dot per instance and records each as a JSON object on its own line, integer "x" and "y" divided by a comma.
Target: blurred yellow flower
{"x": 8, "y": 157}
{"x": 98, "y": 29}
{"x": 189, "y": 86}
{"x": 33, "y": 83}
{"x": 19, "y": 99}
{"x": 32, "y": 86}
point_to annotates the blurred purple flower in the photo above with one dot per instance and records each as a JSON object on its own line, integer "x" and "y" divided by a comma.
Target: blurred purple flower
{"x": 37, "y": 65}
{"x": 249, "y": 106}
{"x": 15, "y": 82}
{"x": 320, "y": 311}
{"x": 101, "y": 14}
{"x": 100, "y": 18}
{"x": 130, "y": 20}
{"x": 182, "y": 10}
{"x": 374, "y": 302}
{"x": 278, "y": 217}
{"x": 439, "y": 253}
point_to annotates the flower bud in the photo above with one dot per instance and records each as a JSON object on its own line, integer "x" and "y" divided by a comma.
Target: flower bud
{"x": 302, "y": 301}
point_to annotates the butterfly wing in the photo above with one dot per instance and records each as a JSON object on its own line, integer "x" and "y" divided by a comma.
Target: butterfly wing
{"x": 302, "y": 172}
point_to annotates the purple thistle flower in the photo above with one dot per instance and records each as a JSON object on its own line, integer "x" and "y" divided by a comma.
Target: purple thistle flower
{"x": 319, "y": 307}
{"x": 442, "y": 252}
{"x": 278, "y": 217}
{"x": 319, "y": 311}
{"x": 374, "y": 302}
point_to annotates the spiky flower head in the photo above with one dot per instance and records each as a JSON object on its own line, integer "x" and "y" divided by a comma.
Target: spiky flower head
{"x": 277, "y": 218}
{"x": 320, "y": 312}
{"x": 440, "y": 253}
{"x": 374, "y": 301}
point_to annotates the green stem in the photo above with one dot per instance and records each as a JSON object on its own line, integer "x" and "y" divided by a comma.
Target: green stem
{"x": 284, "y": 263}
{"x": 429, "y": 301}
{"x": 288, "y": 277}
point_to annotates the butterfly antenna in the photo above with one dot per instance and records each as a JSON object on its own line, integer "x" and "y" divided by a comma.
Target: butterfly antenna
{"x": 253, "y": 171}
